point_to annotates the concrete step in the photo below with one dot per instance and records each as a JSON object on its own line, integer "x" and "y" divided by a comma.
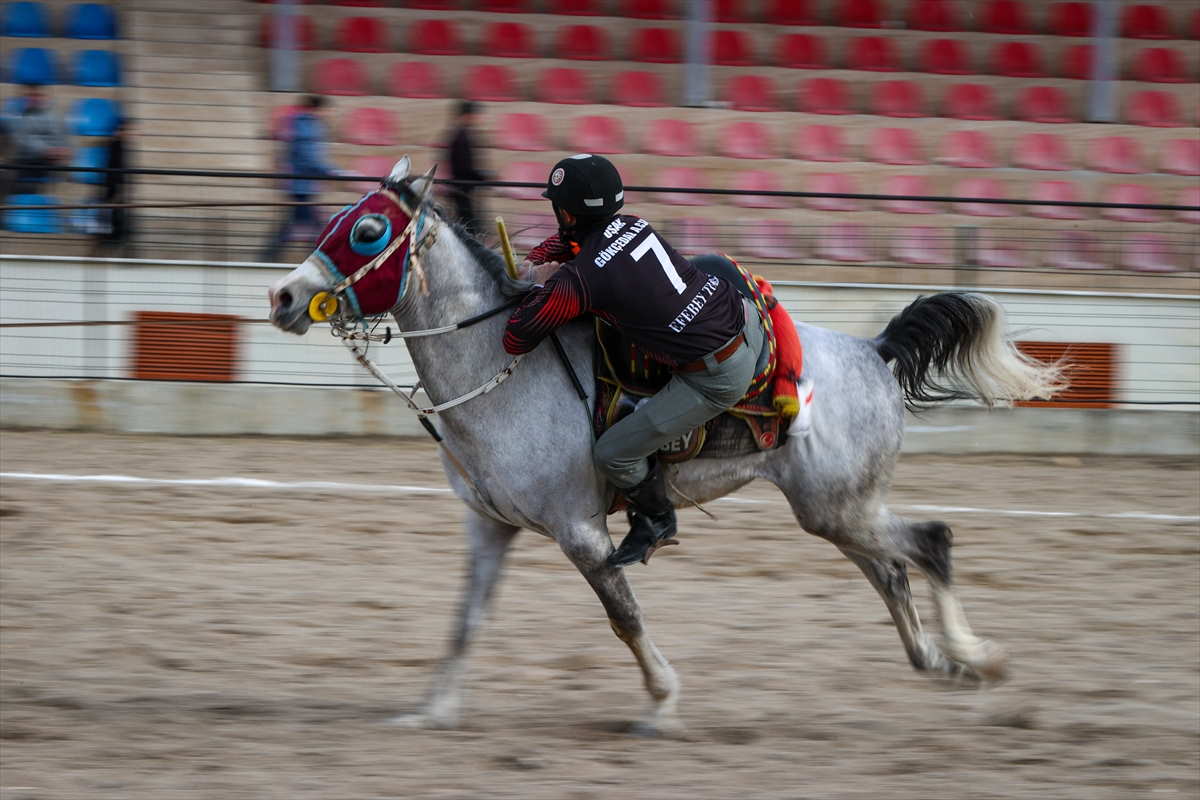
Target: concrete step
{"x": 167, "y": 159}
{"x": 206, "y": 97}
{"x": 148, "y": 190}
{"x": 205, "y": 144}
{"x": 195, "y": 64}
{"x": 185, "y": 113}
{"x": 239, "y": 130}
{"x": 212, "y": 19}
{"x": 187, "y": 6}
{"x": 194, "y": 49}
{"x": 191, "y": 35}
{"x": 213, "y": 81}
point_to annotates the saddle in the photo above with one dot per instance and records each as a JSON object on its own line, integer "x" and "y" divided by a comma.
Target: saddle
{"x": 625, "y": 374}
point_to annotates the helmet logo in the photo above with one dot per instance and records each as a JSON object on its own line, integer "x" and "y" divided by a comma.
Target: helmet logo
{"x": 557, "y": 176}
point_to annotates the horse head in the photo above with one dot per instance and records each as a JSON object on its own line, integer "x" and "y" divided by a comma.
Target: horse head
{"x": 361, "y": 264}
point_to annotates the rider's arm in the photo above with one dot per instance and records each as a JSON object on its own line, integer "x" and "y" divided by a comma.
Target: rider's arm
{"x": 553, "y": 249}
{"x": 561, "y": 299}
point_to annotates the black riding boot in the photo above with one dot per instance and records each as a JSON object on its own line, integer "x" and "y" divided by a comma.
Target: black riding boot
{"x": 651, "y": 520}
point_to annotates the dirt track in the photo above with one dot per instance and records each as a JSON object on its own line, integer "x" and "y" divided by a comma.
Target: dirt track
{"x": 200, "y": 642}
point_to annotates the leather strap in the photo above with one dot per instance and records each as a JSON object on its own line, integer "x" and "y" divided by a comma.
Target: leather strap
{"x": 719, "y": 356}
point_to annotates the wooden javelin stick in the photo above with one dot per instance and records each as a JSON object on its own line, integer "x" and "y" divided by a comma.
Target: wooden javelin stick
{"x": 510, "y": 261}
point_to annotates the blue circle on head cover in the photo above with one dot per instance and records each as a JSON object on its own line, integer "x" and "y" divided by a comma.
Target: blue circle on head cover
{"x": 370, "y": 235}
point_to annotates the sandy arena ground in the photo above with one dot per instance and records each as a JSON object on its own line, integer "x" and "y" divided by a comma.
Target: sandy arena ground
{"x": 200, "y": 642}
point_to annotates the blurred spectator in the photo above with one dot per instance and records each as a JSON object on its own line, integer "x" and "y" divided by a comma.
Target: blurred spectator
{"x": 114, "y": 228}
{"x": 305, "y": 155}
{"x": 38, "y": 140}
{"x": 463, "y": 166}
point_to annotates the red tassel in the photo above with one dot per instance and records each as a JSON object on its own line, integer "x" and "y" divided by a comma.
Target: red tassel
{"x": 789, "y": 352}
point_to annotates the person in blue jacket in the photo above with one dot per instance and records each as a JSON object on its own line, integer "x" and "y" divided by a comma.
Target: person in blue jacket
{"x": 305, "y": 155}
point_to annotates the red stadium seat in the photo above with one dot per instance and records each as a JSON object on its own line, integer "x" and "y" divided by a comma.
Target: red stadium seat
{"x": 945, "y": 57}
{"x": 340, "y": 76}
{"x": 1132, "y": 194}
{"x": 693, "y": 236}
{"x": 1145, "y": 22}
{"x": 508, "y": 40}
{"x": 415, "y": 79}
{"x": 582, "y": 42}
{"x": 670, "y": 137}
{"x": 874, "y": 53}
{"x": 894, "y": 146}
{"x": 523, "y": 172}
{"x": 523, "y": 132}
{"x": 792, "y": 12}
{"x": 757, "y": 180}
{"x": 1046, "y": 151}
{"x": 1181, "y": 157}
{"x": 1116, "y": 154}
{"x": 921, "y": 245}
{"x": 1150, "y": 252}
{"x": 1194, "y": 31}
{"x": 306, "y": 38}
{"x": 844, "y": 241}
{"x": 504, "y": 6}
{"x": 730, "y": 48}
{"x": 682, "y": 178}
{"x": 1071, "y": 19}
{"x": 745, "y": 140}
{"x": 932, "y": 15}
{"x": 859, "y": 14}
{"x": 1075, "y": 250}
{"x": 969, "y": 149}
{"x": 970, "y": 101}
{"x": 579, "y": 8}
{"x": 434, "y": 37}
{"x": 1077, "y": 62}
{"x": 1044, "y": 104}
{"x": 1160, "y": 65}
{"x": 1017, "y": 60}
{"x": 802, "y": 51}
{"x": 821, "y": 143}
{"x": 1153, "y": 108}
{"x": 824, "y": 96}
{"x": 655, "y": 45}
{"x": 1056, "y": 192}
{"x": 751, "y": 93}
{"x": 1005, "y": 16}
{"x": 836, "y": 183}
{"x": 982, "y": 188}
{"x": 768, "y": 238}
{"x": 490, "y": 83}
{"x": 646, "y": 9}
{"x": 374, "y": 127}
{"x": 564, "y": 85}
{"x": 897, "y": 99}
{"x": 731, "y": 11}
{"x": 911, "y": 186}
{"x": 638, "y": 88}
{"x": 1188, "y": 196}
{"x": 598, "y": 134}
{"x": 362, "y": 35}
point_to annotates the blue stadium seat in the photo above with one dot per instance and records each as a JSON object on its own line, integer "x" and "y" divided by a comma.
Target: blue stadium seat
{"x": 32, "y": 220}
{"x": 93, "y": 156}
{"x": 91, "y": 21}
{"x": 33, "y": 65}
{"x": 96, "y": 68}
{"x": 24, "y": 19}
{"x": 94, "y": 116}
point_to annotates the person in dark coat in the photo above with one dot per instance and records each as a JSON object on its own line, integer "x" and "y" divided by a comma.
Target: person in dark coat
{"x": 464, "y": 166}
{"x": 114, "y": 230}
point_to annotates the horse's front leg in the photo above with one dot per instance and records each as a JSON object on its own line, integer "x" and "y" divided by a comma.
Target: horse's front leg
{"x": 488, "y": 541}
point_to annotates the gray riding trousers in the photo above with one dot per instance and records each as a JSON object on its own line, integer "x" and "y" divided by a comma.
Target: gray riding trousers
{"x": 689, "y": 400}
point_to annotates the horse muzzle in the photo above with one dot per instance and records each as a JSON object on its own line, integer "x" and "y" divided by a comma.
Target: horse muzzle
{"x": 293, "y": 295}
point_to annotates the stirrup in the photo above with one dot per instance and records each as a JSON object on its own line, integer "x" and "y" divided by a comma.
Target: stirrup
{"x": 635, "y": 547}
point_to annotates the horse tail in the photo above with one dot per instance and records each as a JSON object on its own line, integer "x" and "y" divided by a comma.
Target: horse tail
{"x": 952, "y": 345}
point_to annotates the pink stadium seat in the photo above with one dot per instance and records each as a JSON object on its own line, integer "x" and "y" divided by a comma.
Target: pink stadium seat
{"x": 802, "y": 51}
{"x": 1077, "y": 62}
{"x": 1017, "y": 60}
{"x": 970, "y": 149}
{"x": 768, "y": 238}
{"x": 792, "y": 12}
{"x": 373, "y": 169}
{"x": 1075, "y": 250}
{"x": 859, "y": 14}
{"x": 731, "y": 11}
{"x": 1071, "y": 19}
{"x": 564, "y": 85}
{"x": 845, "y": 242}
{"x": 745, "y": 140}
{"x": 646, "y": 9}
{"x": 693, "y": 236}
{"x": 579, "y": 8}
{"x": 1000, "y": 249}
{"x": 907, "y": 185}
{"x": 415, "y": 79}
{"x": 598, "y": 134}
{"x": 638, "y": 88}
{"x": 821, "y": 143}
{"x": 1188, "y": 196}
{"x": 1153, "y": 108}
{"x": 523, "y": 132}
{"x": 751, "y": 93}
{"x": 523, "y": 172}
{"x": 836, "y": 183}
{"x": 944, "y": 57}
{"x": 504, "y": 6}
{"x": 897, "y": 99}
{"x": 508, "y": 40}
{"x": 582, "y": 42}
{"x": 375, "y": 127}
{"x": 1181, "y": 157}
{"x": 1133, "y": 194}
{"x": 824, "y": 96}
{"x": 362, "y": 35}
{"x": 655, "y": 45}
{"x": 1118, "y": 154}
{"x": 894, "y": 146}
{"x": 340, "y": 76}
{"x": 490, "y": 83}
{"x": 1056, "y": 192}
{"x": 982, "y": 188}
{"x": 1005, "y": 16}
{"x": 1149, "y": 252}
{"x": 874, "y": 53}
{"x": 1145, "y": 21}
{"x": 1194, "y": 25}
{"x": 682, "y": 178}
{"x": 1160, "y": 65}
{"x": 670, "y": 137}
{"x": 970, "y": 101}
{"x": 757, "y": 180}
{"x": 730, "y": 48}
{"x": 1044, "y": 104}
{"x": 932, "y": 15}
{"x": 306, "y": 37}
{"x": 921, "y": 245}
{"x": 434, "y": 37}
{"x": 1047, "y": 151}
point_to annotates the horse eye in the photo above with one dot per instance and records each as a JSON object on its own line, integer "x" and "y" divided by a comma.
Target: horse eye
{"x": 368, "y": 229}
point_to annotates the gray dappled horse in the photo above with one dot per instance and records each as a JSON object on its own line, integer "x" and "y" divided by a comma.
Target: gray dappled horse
{"x": 525, "y": 447}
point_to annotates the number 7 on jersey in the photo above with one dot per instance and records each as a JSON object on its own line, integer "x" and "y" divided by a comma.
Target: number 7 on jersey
{"x": 651, "y": 242}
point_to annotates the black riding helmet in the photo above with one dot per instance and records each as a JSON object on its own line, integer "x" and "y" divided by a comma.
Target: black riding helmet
{"x": 586, "y": 185}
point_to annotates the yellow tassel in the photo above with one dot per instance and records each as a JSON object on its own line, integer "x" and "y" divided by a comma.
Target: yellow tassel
{"x": 787, "y": 405}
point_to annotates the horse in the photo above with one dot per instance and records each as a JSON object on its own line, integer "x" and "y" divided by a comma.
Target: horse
{"x": 518, "y": 454}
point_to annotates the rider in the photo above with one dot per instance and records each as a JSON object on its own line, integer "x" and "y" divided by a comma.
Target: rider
{"x": 618, "y": 268}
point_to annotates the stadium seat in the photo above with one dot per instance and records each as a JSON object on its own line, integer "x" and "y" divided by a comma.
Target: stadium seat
{"x": 1188, "y": 196}
{"x": 1055, "y": 192}
{"x": 846, "y": 242}
{"x": 1181, "y": 157}
{"x": 693, "y": 236}
{"x": 921, "y": 245}
{"x": 873, "y": 53}
{"x": 670, "y": 137}
{"x": 825, "y": 96}
{"x": 1132, "y": 194}
{"x": 638, "y": 88}
{"x": 730, "y": 48}
{"x": 594, "y": 133}
{"x": 374, "y": 127}
{"x": 582, "y": 43}
{"x": 92, "y": 157}
{"x": 982, "y": 188}
{"x": 96, "y": 68}
{"x": 1047, "y": 151}
{"x": 969, "y": 149}
{"x": 970, "y": 101}
{"x": 792, "y": 12}
{"x": 835, "y": 183}
{"x": 504, "y": 6}
{"x": 1005, "y": 16}
{"x": 340, "y": 76}
{"x": 361, "y": 35}
{"x": 32, "y": 220}
{"x": 745, "y": 140}
{"x": 768, "y": 238}
{"x": 24, "y": 19}
{"x": 90, "y": 21}
{"x": 757, "y": 180}
{"x": 434, "y": 37}
{"x": 1194, "y": 25}
{"x": 305, "y": 33}
{"x": 1077, "y": 62}
{"x": 508, "y": 40}
{"x": 1044, "y": 104}
{"x": 523, "y": 132}
{"x": 734, "y": 11}
{"x": 578, "y": 8}
{"x": 1149, "y": 252}
{"x": 1153, "y": 108}
{"x": 94, "y": 116}
{"x": 859, "y": 14}
{"x": 801, "y": 51}
{"x": 932, "y": 15}
{"x": 910, "y": 186}
{"x": 415, "y": 79}
{"x": 32, "y": 65}
{"x": 646, "y": 9}
{"x": 1160, "y": 65}
{"x": 1145, "y": 21}
{"x": 1071, "y": 19}
{"x": 944, "y": 57}
{"x": 1074, "y": 250}
{"x": 897, "y": 99}
{"x": 523, "y": 172}
{"x": 1000, "y": 249}
{"x": 681, "y": 178}
{"x": 490, "y": 83}
{"x": 655, "y": 45}
{"x": 564, "y": 85}
{"x": 821, "y": 143}
{"x": 894, "y": 146}
{"x": 1117, "y": 154}
{"x": 751, "y": 93}
{"x": 1017, "y": 60}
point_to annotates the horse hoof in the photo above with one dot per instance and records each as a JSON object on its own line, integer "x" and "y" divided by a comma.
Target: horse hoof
{"x": 657, "y": 729}
{"x": 421, "y": 720}
{"x": 992, "y": 663}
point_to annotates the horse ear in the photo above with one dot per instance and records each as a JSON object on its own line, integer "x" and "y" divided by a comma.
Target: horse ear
{"x": 421, "y": 185}
{"x": 400, "y": 171}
